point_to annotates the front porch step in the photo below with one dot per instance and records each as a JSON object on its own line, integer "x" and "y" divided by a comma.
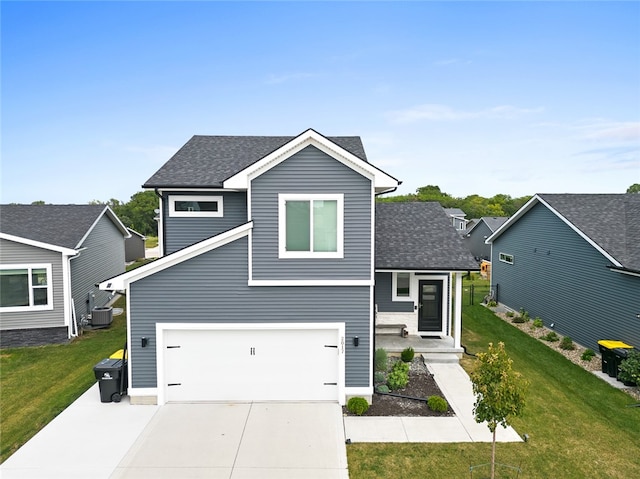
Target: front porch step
{"x": 440, "y": 358}
{"x": 395, "y": 344}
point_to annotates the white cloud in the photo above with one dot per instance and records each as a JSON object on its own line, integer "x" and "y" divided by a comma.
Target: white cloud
{"x": 435, "y": 112}
{"x": 621, "y": 131}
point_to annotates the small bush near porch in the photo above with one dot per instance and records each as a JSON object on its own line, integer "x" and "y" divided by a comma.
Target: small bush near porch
{"x": 578, "y": 425}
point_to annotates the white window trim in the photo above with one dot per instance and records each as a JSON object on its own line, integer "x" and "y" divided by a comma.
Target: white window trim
{"x": 282, "y": 226}
{"x": 503, "y": 257}
{"x": 394, "y": 286}
{"x": 30, "y": 268}
{"x": 193, "y": 214}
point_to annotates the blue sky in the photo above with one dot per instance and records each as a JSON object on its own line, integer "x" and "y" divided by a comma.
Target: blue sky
{"x": 476, "y": 97}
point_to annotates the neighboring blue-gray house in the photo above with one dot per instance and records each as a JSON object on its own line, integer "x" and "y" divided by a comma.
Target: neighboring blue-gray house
{"x": 265, "y": 287}
{"x": 478, "y": 233}
{"x": 574, "y": 261}
{"x": 51, "y": 257}
{"x": 134, "y": 246}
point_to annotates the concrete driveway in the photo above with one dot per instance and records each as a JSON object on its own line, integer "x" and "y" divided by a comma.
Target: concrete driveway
{"x": 98, "y": 440}
{"x": 237, "y": 441}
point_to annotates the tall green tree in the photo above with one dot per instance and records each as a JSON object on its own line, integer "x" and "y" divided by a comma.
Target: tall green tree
{"x": 634, "y": 188}
{"x": 138, "y": 213}
{"x": 499, "y": 390}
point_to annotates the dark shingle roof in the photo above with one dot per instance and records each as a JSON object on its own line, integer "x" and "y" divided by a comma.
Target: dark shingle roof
{"x": 419, "y": 235}
{"x": 612, "y": 221}
{"x": 494, "y": 222}
{"x": 206, "y": 161}
{"x": 59, "y": 225}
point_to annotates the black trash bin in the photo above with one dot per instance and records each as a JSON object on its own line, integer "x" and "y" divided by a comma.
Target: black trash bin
{"x": 607, "y": 359}
{"x": 112, "y": 379}
{"x": 610, "y": 361}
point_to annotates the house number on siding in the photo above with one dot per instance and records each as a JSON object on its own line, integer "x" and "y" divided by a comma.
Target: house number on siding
{"x": 252, "y": 351}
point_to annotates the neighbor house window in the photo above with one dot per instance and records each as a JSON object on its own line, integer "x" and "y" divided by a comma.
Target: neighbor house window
{"x": 25, "y": 287}
{"x": 401, "y": 286}
{"x": 310, "y": 226}
{"x": 190, "y": 206}
{"x": 506, "y": 258}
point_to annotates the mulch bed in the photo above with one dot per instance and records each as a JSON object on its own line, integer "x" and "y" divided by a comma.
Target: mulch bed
{"x": 421, "y": 385}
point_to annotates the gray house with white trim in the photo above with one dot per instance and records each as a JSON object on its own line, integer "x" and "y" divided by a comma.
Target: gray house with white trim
{"x": 478, "y": 233}
{"x": 420, "y": 260}
{"x": 51, "y": 257}
{"x": 265, "y": 287}
{"x": 574, "y": 261}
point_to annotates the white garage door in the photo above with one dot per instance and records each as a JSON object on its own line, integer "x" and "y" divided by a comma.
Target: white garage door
{"x": 251, "y": 364}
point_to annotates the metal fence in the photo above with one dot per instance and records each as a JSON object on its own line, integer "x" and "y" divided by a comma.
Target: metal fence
{"x": 479, "y": 293}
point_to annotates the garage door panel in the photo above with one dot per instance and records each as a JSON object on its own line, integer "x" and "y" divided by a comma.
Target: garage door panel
{"x": 242, "y": 365}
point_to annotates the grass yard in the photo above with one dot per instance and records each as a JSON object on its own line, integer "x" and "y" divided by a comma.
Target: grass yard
{"x": 38, "y": 383}
{"x": 151, "y": 242}
{"x": 579, "y": 426}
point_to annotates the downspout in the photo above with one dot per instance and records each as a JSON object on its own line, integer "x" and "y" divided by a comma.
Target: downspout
{"x": 73, "y": 320}
{"x": 375, "y": 308}
{"x": 161, "y": 226}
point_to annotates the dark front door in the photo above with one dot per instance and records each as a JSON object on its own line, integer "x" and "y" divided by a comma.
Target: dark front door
{"x": 430, "y": 306}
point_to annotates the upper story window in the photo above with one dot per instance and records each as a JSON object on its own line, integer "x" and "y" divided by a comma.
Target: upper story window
{"x": 310, "y": 226}
{"x": 401, "y": 286}
{"x": 194, "y": 206}
{"x": 25, "y": 287}
{"x": 506, "y": 258}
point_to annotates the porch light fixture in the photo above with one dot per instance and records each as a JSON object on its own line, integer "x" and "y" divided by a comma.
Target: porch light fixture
{"x": 356, "y": 341}
{"x": 144, "y": 341}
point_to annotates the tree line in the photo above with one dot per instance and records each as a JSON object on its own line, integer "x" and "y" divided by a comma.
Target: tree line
{"x": 475, "y": 206}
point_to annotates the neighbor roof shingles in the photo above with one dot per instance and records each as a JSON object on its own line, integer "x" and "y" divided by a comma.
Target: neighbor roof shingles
{"x": 419, "y": 235}
{"x": 206, "y": 161}
{"x": 610, "y": 220}
{"x": 59, "y": 225}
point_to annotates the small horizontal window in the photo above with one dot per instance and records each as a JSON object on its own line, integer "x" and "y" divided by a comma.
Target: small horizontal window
{"x": 506, "y": 258}
{"x": 195, "y": 206}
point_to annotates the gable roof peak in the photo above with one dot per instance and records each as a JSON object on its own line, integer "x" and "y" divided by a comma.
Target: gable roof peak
{"x": 225, "y": 161}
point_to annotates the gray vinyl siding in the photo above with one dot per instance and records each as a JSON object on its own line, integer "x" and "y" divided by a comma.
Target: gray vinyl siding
{"x": 213, "y": 288}
{"x": 560, "y": 277}
{"x": 17, "y": 253}
{"x": 475, "y": 241}
{"x": 134, "y": 248}
{"x": 383, "y": 295}
{"x": 182, "y": 232}
{"x": 102, "y": 256}
{"x": 311, "y": 171}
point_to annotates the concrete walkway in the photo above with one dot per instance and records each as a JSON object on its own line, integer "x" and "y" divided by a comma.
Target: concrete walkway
{"x": 457, "y": 389}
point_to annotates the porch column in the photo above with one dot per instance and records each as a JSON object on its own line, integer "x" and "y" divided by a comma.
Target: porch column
{"x": 457, "y": 325}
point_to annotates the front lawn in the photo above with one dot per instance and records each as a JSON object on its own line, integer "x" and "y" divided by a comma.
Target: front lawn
{"x": 38, "y": 383}
{"x": 578, "y": 425}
